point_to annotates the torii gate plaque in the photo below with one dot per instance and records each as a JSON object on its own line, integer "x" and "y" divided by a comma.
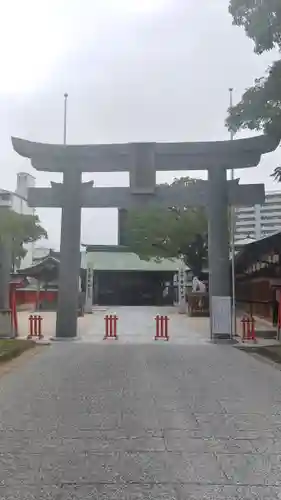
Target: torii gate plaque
{"x": 143, "y": 160}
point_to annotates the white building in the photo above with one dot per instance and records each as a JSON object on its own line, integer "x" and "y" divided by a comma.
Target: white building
{"x": 17, "y": 201}
{"x": 260, "y": 220}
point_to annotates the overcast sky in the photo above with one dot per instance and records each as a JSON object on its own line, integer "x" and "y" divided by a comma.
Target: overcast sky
{"x": 135, "y": 70}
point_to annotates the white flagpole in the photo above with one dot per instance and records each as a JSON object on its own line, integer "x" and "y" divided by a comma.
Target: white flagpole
{"x": 232, "y": 238}
{"x": 65, "y": 118}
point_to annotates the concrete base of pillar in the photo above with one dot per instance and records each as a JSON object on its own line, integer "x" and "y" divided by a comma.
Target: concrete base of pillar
{"x": 64, "y": 339}
{"x": 88, "y": 309}
{"x": 182, "y": 308}
{"x": 6, "y": 326}
{"x": 223, "y": 339}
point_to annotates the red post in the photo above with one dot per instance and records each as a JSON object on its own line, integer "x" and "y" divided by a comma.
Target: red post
{"x": 35, "y": 326}
{"x": 40, "y": 319}
{"x": 111, "y": 326}
{"x": 253, "y": 330}
{"x": 248, "y": 328}
{"x": 157, "y": 319}
{"x": 166, "y": 319}
{"x": 106, "y": 326}
{"x": 279, "y": 318}
{"x": 30, "y": 319}
{"x": 35, "y": 318}
{"x": 115, "y": 319}
{"x": 161, "y": 327}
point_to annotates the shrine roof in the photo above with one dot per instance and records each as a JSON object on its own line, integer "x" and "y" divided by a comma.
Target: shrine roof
{"x": 116, "y": 157}
{"x": 49, "y": 265}
{"x": 257, "y": 251}
{"x": 119, "y": 258}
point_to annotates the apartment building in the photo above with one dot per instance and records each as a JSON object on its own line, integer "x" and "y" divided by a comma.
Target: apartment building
{"x": 260, "y": 220}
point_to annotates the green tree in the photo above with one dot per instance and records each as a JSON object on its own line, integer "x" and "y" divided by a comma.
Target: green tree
{"x": 260, "y": 106}
{"x": 158, "y": 233}
{"x": 17, "y": 230}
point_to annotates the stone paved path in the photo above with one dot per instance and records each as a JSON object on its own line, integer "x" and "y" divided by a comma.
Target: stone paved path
{"x": 135, "y": 325}
{"x": 157, "y": 421}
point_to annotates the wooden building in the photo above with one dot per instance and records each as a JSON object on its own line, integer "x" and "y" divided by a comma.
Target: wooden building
{"x": 41, "y": 286}
{"x": 258, "y": 277}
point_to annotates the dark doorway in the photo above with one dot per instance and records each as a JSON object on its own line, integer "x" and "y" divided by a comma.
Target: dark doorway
{"x": 134, "y": 288}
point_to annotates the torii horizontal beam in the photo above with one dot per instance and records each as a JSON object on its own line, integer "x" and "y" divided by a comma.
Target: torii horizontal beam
{"x": 195, "y": 195}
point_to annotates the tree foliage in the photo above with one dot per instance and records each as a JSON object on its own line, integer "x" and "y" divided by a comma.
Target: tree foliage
{"x": 261, "y": 20}
{"x": 260, "y": 106}
{"x": 158, "y": 233}
{"x": 17, "y": 230}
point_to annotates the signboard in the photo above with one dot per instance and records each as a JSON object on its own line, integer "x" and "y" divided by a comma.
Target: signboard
{"x": 221, "y": 315}
{"x": 182, "y": 290}
{"x": 89, "y": 290}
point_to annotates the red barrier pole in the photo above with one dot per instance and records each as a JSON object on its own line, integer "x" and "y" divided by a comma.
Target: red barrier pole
{"x": 279, "y": 319}
{"x": 253, "y": 330}
{"x": 248, "y": 329}
{"x": 106, "y": 326}
{"x": 110, "y": 325}
{"x": 166, "y": 327}
{"x": 157, "y": 327}
{"x": 36, "y": 325}
{"x": 161, "y": 327}
{"x": 30, "y": 335}
{"x": 115, "y": 319}
{"x": 40, "y": 319}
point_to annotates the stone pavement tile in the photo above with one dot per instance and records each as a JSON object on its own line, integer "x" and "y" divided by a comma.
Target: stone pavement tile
{"x": 219, "y": 492}
{"x": 204, "y": 405}
{"x": 252, "y": 469}
{"x": 53, "y": 469}
{"x": 102, "y": 444}
{"x": 30, "y": 492}
{"x": 75, "y": 468}
{"x": 230, "y": 445}
{"x": 268, "y": 446}
{"x": 116, "y": 433}
{"x": 124, "y": 467}
{"x": 146, "y": 420}
{"x": 195, "y": 468}
{"x": 60, "y": 424}
{"x": 255, "y": 422}
{"x": 237, "y": 427}
{"x": 249, "y": 405}
{"x": 214, "y": 425}
{"x": 181, "y": 441}
{"x": 177, "y": 420}
{"x": 119, "y": 492}
{"x": 138, "y": 492}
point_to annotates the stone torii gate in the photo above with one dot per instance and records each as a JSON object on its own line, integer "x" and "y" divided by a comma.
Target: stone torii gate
{"x": 142, "y": 161}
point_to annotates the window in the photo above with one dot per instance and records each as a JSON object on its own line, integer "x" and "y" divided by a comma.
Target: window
{"x": 5, "y": 196}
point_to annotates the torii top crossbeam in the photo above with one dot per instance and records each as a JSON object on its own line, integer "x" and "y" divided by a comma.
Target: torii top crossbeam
{"x": 240, "y": 153}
